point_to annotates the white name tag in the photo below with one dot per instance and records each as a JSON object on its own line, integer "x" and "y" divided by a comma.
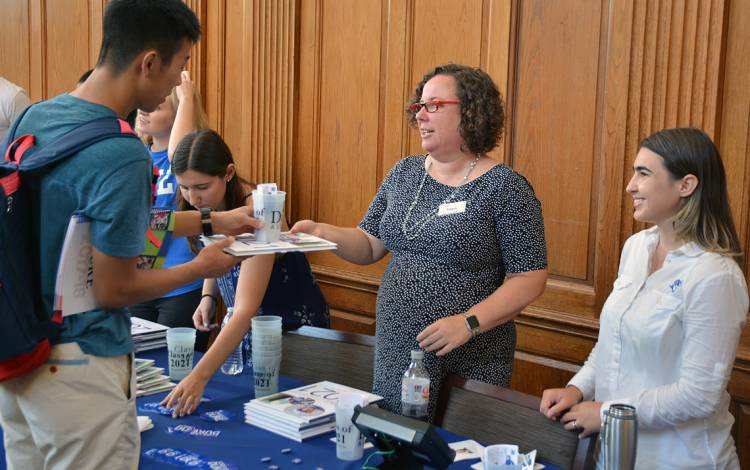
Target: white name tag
{"x": 451, "y": 208}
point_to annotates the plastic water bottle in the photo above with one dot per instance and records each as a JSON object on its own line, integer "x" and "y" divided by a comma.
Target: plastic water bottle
{"x": 247, "y": 349}
{"x": 415, "y": 388}
{"x": 233, "y": 365}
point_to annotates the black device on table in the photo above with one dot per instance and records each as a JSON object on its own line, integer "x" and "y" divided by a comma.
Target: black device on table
{"x": 404, "y": 442}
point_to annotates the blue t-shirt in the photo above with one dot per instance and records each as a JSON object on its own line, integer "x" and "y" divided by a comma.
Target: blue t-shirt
{"x": 178, "y": 251}
{"x": 109, "y": 182}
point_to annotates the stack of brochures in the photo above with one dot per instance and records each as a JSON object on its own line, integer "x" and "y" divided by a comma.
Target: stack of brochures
{"x": 245, "y": 244}
{"x": 150, "y": 379}
{"x": 302, "y": 412}
{"x": 147, "y": 334}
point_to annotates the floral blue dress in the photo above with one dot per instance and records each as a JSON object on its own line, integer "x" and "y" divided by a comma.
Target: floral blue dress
{"x": 442, "y": 265}
{"x": 292, "y": 293}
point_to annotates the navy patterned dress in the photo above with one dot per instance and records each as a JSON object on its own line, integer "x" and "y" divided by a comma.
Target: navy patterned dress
{"x": 292, "y": 292}
{"x": 446, "y": 265}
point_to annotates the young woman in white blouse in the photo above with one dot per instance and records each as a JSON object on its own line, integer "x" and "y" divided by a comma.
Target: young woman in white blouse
{"x": 670, "y": 328}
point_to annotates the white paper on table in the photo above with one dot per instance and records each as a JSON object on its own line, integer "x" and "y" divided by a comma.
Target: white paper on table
{"x": 74, "y": 288}
{"x": 530, "y": 457}
{"x": 466, "y": 450}
{"x": 144, "y": 423}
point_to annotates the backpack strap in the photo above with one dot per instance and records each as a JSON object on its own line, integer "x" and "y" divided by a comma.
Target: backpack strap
{"x": 8, "y": 138}
{"x": 71, "y": 143}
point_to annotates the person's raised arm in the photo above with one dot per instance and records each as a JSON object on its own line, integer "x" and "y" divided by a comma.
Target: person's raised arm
{"x": 183, "y": 120}
{"x": 354, "y": 244}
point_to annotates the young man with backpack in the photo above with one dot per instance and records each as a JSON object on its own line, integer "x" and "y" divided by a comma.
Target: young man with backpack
{"x": 78, "y": 409}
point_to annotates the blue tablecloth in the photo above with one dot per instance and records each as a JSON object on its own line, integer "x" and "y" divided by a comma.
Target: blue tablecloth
{"x": 243, "y": 444}
{"x": 239, "y": 443}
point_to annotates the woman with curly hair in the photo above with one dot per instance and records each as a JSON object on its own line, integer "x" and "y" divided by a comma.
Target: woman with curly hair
{"x": 466, "y": 237}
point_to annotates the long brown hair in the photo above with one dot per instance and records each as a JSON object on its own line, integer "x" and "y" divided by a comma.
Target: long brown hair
{"x": 705, "y": 217}
{"x": 206, "y": 152}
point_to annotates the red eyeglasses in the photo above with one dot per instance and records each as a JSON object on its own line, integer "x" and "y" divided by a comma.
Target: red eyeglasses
{"x": 430, "y": 106}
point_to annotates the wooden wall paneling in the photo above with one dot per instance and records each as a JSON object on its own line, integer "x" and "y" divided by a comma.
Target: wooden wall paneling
{"x": 67, "y": 29}
{"x": 675, "y": 72}
{"x": 307, "y": 139}
{"x": 542, "y": 337}
{"x": 734, "y": 143}
{"x": 214, "y": 38}
{"x": 443, "y": 31}
{"x": 496, "y": 54}
{"x": 37, "y": 50}
{"x": 197, "y": 63}
{"x": 739, "y": 388}
{"x": 554, "y": 122}
{"x": 15, "y": 42}
{"x": 340, "y": 137}
{"x": 742, "y": 436}
{"x": 96, "y": 23}
{"x": 257, "y": 92}
{"x": 534, "y": 374}
{"x": 395, "y": 87}
{"x": 340, "y": 106}
{"x": 235, "y": 83}
{"x": 348, "y": 126}
{"x": 734, "y": 137}
{"x": 613, "y": 145}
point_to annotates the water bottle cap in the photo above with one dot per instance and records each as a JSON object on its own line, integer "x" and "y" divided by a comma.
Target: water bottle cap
{"x": 417, "y": 354}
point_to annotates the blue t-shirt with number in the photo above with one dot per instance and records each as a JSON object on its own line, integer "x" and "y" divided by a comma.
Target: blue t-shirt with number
{"x": 178, "y": 251}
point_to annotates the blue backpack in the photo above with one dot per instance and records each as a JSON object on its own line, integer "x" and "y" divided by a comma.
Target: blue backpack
{"x": 26, "y": 333}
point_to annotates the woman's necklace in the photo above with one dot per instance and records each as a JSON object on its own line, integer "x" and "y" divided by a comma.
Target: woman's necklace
{"x": 411, "y": 232}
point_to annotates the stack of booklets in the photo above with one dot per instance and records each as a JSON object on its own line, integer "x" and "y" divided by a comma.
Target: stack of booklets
{"x": 301, "y": 412}
{"x": 246, "y": 245}
{"x": 150, "y": 379}
{"x": 147, "y": 334}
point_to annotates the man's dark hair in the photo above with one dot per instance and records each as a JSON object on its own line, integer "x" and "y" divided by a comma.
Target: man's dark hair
{"x": 132, "y": 26}
{"x": 85, "y": 76}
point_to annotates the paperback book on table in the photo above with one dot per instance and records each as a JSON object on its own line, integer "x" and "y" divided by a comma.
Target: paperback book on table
{"x": 147, "y": 334}
{"x": 301, "y": 412}
{"x": 246, "y": 245}
{"x": 149, "y": 378}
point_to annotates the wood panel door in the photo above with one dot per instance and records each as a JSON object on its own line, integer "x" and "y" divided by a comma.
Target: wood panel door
{"x": 46, "y": 44}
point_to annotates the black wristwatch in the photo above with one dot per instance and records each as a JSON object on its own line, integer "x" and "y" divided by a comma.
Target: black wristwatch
{"x": 472, "y": 324}
{"x": 208, "y": 230}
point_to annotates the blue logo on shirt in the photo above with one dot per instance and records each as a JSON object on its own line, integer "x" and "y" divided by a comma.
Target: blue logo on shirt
{"x": 675, "y": 285}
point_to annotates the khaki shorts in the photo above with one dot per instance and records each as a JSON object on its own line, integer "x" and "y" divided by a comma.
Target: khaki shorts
{"x": 75, "y": 411}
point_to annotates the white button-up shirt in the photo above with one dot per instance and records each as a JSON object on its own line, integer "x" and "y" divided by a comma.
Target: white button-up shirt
{"x": 667, "y": 343}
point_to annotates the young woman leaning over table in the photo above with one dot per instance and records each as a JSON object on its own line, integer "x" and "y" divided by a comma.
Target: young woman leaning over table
{"x": 268, "y": 284}
{"x": 670, "y": 328}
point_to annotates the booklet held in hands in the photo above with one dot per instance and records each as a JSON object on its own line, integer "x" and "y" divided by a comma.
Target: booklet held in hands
{"x": 247, "y": 245}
